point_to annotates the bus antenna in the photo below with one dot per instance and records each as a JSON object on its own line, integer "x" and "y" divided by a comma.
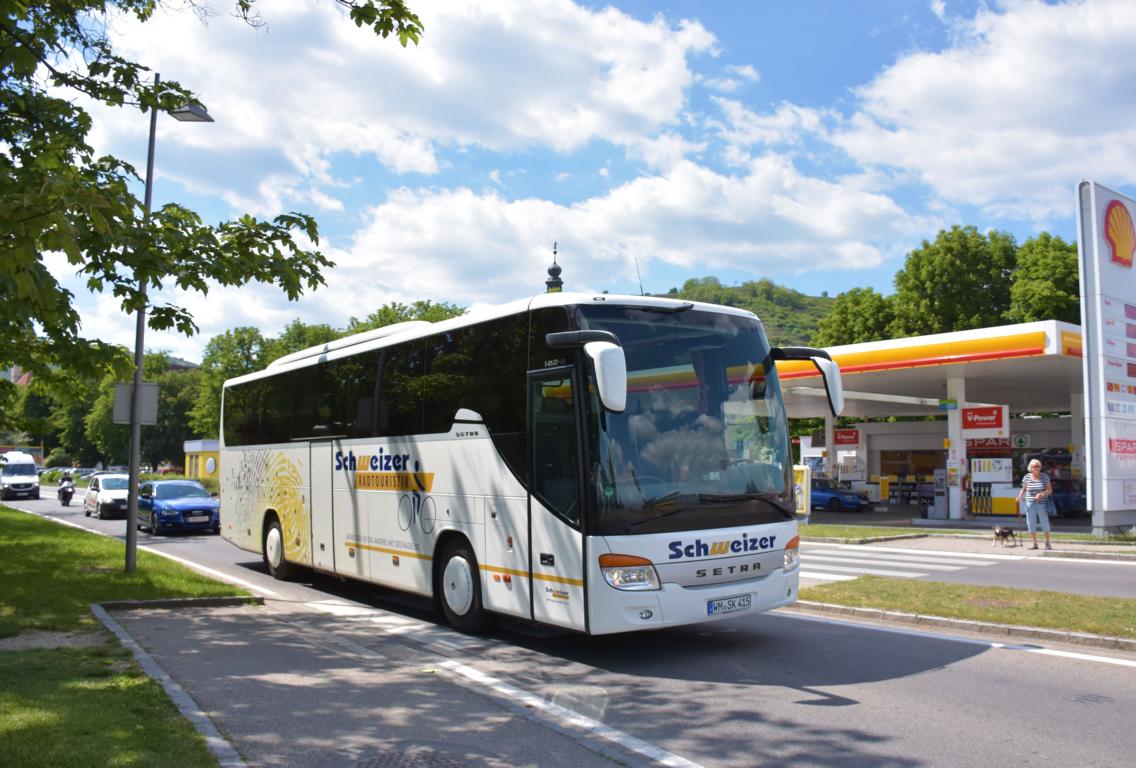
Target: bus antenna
{"x": 641, "y": 291}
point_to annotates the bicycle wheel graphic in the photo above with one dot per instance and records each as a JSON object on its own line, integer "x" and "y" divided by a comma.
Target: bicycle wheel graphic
{"x": 426, "y": 514}
{"x": 405, "y": 513}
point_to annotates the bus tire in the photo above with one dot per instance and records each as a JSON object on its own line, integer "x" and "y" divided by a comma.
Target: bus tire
{"x": 273, "y": 550}
{"x": 459, "y": 589}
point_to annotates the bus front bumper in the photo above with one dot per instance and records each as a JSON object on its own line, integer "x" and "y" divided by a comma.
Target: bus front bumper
{"x": 612, "y": 610}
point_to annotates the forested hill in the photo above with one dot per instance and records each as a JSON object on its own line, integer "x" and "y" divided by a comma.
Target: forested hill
{"x": 790, "y": 317}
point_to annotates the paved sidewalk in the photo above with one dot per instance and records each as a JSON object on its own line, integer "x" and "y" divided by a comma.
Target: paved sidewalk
{"x": 293, "y": 687}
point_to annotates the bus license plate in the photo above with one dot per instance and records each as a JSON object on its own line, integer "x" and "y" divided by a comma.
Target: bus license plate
{"x": 728, "y": 605}
{"x": 197, "y": 518}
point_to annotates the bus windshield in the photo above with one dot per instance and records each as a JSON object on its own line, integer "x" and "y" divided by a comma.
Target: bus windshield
{"x": 703, "y": 441}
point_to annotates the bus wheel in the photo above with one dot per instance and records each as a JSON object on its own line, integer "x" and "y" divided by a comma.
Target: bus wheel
{"x": 274, "y": 551}
{"x": 460, "y": 589}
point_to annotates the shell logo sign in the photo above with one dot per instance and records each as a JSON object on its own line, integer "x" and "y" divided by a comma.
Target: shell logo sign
{"x": 1120, "y": 233}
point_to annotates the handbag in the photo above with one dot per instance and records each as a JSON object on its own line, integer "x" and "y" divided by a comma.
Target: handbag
{"x": 1050, "y": 507}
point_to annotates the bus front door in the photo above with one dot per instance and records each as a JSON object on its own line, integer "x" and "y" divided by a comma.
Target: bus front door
{"x": 556, "y": 554}
{"x": 319, "y": 502}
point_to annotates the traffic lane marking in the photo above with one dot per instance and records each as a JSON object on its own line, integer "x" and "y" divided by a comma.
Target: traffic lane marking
{"x": 993, "y": 644}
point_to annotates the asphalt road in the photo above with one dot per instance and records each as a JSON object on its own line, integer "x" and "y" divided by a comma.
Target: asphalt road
{"x": 775, "y": 689}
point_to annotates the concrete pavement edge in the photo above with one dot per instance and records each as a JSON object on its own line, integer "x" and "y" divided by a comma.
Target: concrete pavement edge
{"x": 218, "y": 746}
{"x": 967, "y": 625}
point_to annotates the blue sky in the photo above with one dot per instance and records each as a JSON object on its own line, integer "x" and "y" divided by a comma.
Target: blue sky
{"x": 814, "y": 143}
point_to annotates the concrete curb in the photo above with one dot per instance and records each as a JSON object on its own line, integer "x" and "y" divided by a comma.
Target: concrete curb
{"x": 1083, "y": 554}
{"x": 965, "y": 625}
{"x": 219, "y": 747}
{"x": 181, "y": 602}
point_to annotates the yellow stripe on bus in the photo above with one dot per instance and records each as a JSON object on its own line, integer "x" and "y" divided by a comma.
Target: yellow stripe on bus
{"x": 538, "y": 576}
{"x": 400, "y": 552}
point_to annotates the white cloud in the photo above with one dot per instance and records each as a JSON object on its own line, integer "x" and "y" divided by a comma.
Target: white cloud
{"x": 689, "y": 216}
{"x": 789, "y": 124}
{"x": 1029, "y": 99}
{"x": 497, "y": 75}
{"x": 737, "y": 76}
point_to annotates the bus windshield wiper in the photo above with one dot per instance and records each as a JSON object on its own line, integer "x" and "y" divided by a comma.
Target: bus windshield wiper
{"x": 775, "y": 499}
{"x": 653, "y": 504}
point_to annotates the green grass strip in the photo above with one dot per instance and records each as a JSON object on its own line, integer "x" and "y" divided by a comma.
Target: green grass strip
{"x": 1111, "y": 616}
{"x": 51, "y": 574}
{"x": 90, "y": 706}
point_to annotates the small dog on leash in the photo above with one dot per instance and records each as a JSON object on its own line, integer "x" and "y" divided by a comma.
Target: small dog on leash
{"x": 1004, "y": 535}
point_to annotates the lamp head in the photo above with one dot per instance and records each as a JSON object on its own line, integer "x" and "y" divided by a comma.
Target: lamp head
{"x": 191, "y": 113}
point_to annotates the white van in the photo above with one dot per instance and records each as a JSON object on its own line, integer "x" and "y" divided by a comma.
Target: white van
{"x": 18, "y": 476}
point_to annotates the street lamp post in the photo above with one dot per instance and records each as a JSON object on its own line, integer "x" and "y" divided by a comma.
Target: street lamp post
{"x": 191, "y": 113}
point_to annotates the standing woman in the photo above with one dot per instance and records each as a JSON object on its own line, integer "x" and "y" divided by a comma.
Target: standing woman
{"x": 1037, "y": 489}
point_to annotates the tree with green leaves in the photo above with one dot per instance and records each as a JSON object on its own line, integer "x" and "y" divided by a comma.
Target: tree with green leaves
{"x": 299, "y": 335}
{"x": 960, "y": 281}
{"x": 164, "y": 441}
{"x": 233, "y": 353}
{"x": 56, "y": 195}
{"x": 857, "y": 315}
{"x": 1047, "y": 285}
{"x": 396, "y": 312}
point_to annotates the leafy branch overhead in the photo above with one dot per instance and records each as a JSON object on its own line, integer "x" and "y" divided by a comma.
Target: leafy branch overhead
{"x": 58, "y": 199}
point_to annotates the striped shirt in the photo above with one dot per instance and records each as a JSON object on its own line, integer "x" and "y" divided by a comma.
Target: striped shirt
{"x": 1034, "y": 487}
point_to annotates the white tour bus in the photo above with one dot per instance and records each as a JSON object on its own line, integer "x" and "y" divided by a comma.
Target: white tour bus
{"x": 601, "y": 463}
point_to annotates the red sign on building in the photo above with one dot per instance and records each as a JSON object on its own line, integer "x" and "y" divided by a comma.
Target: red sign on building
{"x": 846, "y": 437}
{"x": 983, "y": 417}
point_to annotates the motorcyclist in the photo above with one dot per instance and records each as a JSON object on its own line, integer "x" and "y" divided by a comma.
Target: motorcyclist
{"x": 66, "y": 488}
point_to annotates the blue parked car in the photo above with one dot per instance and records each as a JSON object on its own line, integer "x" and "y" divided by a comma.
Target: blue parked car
{"x": 177, "y": 505}
{"x": 827, "y": 494}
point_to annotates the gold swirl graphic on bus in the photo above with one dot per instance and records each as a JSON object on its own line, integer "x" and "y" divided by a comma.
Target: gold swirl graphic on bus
{"x": 284, "y": 482}
{"x": 394, "y": 481}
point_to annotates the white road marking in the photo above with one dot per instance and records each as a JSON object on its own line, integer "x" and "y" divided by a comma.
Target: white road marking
{"x": 862, "y": 571}
{"x": 817, "y": 576}
{"x": 436, "y": 638}
{"x": 575, "y": 719}
{"x": 810, "y": 558}
{"x": 219, "y": 575}
{"x": 1093, "y": 658}
{"x": 929, "y": 552}
{"x": 812, "y": 552}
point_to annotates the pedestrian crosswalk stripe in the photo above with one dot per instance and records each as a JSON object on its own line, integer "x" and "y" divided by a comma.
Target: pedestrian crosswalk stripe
{"x": 818, "y": 576}
{"x": 810, "y": 558}
{"x": 869, "y": 571}
{"x": 927, "y": 552}
{"x": 814, "y": 552}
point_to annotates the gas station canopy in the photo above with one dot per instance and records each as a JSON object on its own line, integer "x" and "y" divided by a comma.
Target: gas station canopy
{"x": 1030, "y": 367}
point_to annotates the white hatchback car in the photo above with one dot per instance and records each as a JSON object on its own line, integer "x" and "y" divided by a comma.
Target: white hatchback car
{"x": 106, "y": 495}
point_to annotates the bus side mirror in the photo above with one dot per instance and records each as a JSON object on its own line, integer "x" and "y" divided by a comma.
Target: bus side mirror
{"x": 829, "y": 371}
{"x": 611, "y": 373}
{"x": 833, "y": 385}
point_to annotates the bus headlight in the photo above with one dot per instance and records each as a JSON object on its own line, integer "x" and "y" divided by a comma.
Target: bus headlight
{"x": 792, "y": 554}
{"x": 629, "y": 572}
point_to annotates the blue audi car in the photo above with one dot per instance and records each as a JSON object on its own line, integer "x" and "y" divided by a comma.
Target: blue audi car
{"x": 828, "y": 494}
{"x": 165, "y": 506}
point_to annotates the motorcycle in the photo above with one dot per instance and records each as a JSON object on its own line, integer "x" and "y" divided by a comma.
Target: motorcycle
{"x": 65, "y": 492}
